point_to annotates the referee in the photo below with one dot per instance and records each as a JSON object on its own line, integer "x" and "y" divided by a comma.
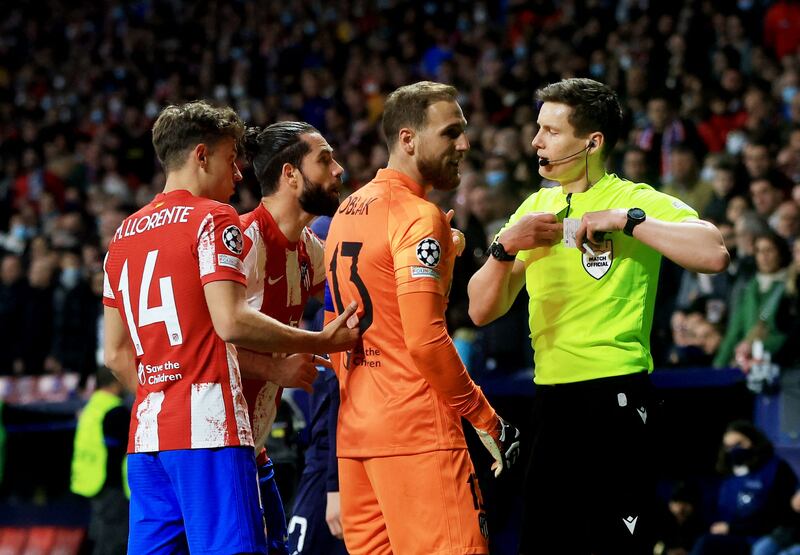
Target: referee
{"x": 588, "y": 253}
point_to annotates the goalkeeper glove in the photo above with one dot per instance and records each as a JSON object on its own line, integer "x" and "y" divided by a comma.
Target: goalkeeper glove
{"x": 502, "y": 441}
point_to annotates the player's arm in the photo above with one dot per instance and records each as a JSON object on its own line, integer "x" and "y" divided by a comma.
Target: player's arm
{"x": 436, "y": 358}
{"x": 694, "y": 244}
{"x": 493, "y": 288}
{"x": 298, "y": 370}
{"x": 238, "y": 323}
{"x": 117, "y": 350}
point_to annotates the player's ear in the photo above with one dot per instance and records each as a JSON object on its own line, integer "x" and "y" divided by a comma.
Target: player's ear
{"x": 200, "y": 154}
{"x": 407, "y": 140}
{"x": 289, "y": 172}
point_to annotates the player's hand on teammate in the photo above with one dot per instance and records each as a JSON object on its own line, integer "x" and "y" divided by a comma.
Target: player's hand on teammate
{"x": 502, "y": 442}
{"x": 333, "y": 514}
{"x": 459, "y": 242}
{"x": 537, "y": 229}
{"x": 300, "y": 370}
{"x": 342, "y": 333}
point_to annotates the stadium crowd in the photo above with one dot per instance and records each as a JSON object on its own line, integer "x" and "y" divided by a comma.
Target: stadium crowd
{"x": 711, "y": 93}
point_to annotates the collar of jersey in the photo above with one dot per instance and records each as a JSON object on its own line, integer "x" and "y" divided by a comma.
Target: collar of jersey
{"x": 268, "y": 222}
{"x": 601, "y": 184}
{"x": 394, "y": 175}
{"x": 177, "y": 193}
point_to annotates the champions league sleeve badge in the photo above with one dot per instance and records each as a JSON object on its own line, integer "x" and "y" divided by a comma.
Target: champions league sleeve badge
{"x": 598, "y": 264}
{"x": 232, "y": 239}
{"x": 429, "y": 252}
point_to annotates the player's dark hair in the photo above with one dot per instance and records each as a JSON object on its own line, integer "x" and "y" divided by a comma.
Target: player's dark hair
{"x": 180, "y": 128}
{"x": 408, "y": 105}
{"x": 595, "y": 107}
{"x": 268, "y": 149}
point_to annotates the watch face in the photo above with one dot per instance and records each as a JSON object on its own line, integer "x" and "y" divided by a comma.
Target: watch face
{"x": 636, "y": 213}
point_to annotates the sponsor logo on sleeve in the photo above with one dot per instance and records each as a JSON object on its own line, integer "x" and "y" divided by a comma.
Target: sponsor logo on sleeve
{"x": 230, "y": 262}
{"x": 429, "y": 252}
{"x": 232, "y": 239}
{"x": 422, "y": 272}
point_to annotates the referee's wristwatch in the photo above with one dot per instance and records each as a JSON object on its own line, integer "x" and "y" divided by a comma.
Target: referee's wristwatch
{"x": 498, "y": 252}
{"x": 635, "y": 217}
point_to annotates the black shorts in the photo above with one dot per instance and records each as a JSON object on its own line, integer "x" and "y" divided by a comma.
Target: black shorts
{"x": 588, "y": 488}
{"x": 308, "y": 531}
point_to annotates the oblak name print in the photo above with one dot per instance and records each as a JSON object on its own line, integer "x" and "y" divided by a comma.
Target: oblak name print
{"x": 167, "y": 216}
{"x": 356, "y": 206}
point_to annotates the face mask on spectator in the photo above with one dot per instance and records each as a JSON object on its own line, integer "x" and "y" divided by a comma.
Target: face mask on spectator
{"x": 70, "y": 277}
{"x": 707, "y": 174}
{"x": 21, "y": 233}
{"x": 788, "y": 94}
{"x": 495, "y": 177}
{"x": 739, "y": 456}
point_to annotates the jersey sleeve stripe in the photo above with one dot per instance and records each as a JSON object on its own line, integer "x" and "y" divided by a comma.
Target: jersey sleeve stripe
{"x": 205, "y": 246}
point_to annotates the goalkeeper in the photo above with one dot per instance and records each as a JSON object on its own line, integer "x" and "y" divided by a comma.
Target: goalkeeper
{"x": 406, "y": 481}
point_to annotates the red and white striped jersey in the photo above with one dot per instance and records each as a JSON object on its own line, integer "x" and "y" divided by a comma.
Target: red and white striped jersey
{"x": 190, "y": 393}
{"x": 281, "y": 276}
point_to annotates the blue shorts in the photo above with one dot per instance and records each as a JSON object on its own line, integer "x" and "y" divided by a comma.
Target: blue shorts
{"x": 308, "y": 531}
{"x": 203, "y": 501}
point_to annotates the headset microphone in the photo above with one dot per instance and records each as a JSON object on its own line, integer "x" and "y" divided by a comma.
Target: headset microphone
{"x": 546, "y": 161}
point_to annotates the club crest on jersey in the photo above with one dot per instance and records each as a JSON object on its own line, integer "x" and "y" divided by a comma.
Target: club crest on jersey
{"x": 597, "y": 266}
{"x": 232, "y": 239}
{"x": 429, "y": 252}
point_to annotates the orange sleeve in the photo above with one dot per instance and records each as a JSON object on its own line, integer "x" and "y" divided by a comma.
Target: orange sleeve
{"x": 436, "y": 358}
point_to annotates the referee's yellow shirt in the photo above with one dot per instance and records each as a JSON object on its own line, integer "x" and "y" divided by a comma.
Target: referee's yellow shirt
{"x": 590, "y": 316}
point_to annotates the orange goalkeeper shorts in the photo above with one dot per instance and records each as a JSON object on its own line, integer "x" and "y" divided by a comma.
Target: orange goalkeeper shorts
{"x": 425, "y": 504}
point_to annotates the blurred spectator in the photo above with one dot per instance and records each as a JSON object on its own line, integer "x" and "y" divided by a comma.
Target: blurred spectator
{"x": 634, "y": 167}
{"x": 754, "y": 313}
{"x": 681, "y": 524}
{"x": 684, "y": 179}
{"x": 759, "y": 164}
{"x": 722, "y": 185}
{"x": 36, "y": 324}
{"x": 695, "y": 339}
{"x": 75, "y": 313}
{"x": 787, "y": 221}
{"x": 664, "y": 131}
{"x": 782, "y": 27}
{"x": 12, "y": 289}
{"x": 754, "y": 494}
{"x": 766, "y": 197}
{"x": 788, "y": 317}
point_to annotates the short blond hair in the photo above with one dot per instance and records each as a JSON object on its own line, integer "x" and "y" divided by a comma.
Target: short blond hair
{"x": 407, "y": 107}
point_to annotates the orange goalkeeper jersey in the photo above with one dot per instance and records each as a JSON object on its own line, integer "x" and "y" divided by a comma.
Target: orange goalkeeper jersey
{"x": 385, "y": 242}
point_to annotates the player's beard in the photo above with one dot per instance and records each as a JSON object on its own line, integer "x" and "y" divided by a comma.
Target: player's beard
{"x": 315, "y": 200}
{"x": 439, "y": 172}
